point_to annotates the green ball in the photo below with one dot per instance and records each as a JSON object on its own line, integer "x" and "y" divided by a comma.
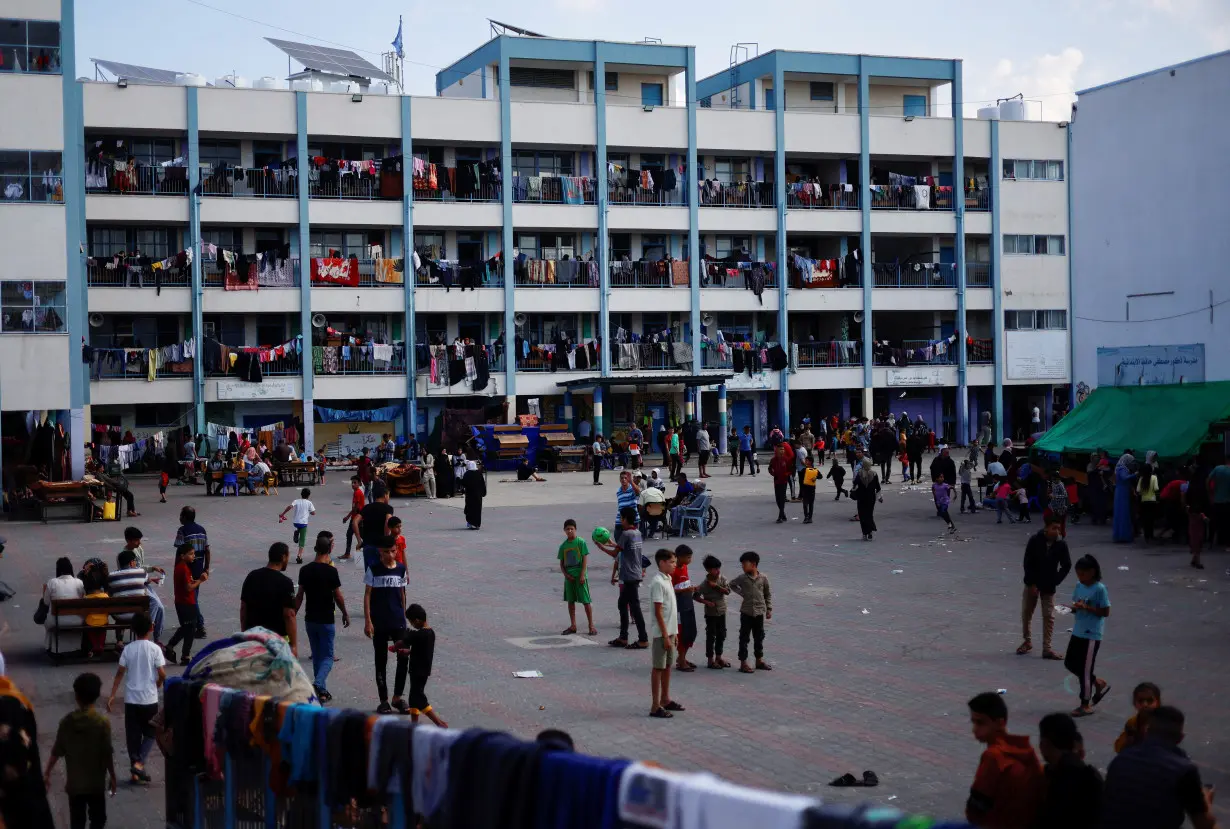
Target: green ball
{"x": 602, "y": 535}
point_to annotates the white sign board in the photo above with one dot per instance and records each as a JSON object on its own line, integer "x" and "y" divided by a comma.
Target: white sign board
{"x": 1036, "y": 355}
{"x": 353, "y": 445}
{"x": 267, "y": 390}
{"x": 916, "y": 376}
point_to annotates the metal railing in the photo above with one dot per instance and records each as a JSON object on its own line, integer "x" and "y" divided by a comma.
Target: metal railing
{"x": 136, "y": 371}
{"x": 212, "y": 276}
{"x": 367, "y": 278}
{"x": 827, "y": 200}
{"x": 99, "y": 276}
{"x": 486, "y": 278}
{"x": 745, "y": 194}
{"x": 916, "y": 275}
{"x": 250, "y": 182}
{"x": 830, "y": 355}
{"x": 978, "y": 274}
{"x": 537, "y": 362}
{"x": 551, "y": 273}
{"x": 484, "y": 193}
{"x": 654, "y": 360}
{"x": 361, "y": 363}
{"x": 555, "y": 190}
{"x": 904, "y": 197}
{"x": 289, "y": 366}
{"x": 640, "y": 197}
{"x": 735, "y": 276}
{"x": 138, "y": 181}
{"x": 643, "y": 275}
{"x": 360, "y": 186}
{"x": 980, "y": 351}
{"x": 712, "y": 359}
{"x": 978, "y": 200}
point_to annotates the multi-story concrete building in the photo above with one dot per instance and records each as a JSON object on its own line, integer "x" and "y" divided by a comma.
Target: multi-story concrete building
{"x": 902, "y": 259}
{"x": 1149, "y": 288}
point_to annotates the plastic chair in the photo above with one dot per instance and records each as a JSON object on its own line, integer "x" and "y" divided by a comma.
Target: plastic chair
{"x": 229, "y": 481}
{"x": 696, "y": 511}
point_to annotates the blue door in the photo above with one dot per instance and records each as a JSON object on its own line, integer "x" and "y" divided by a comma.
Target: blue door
{"x": 948, "y": 256}
{"x": 657, "y": 416}
{"x": 914, "y": 105}
{"x": 651, "y": 94}
{"x": 743, "y": 413}
{"x": 770, "y": 100}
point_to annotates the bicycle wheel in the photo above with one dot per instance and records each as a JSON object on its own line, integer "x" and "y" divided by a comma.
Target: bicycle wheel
{"x": 711, "y": 519}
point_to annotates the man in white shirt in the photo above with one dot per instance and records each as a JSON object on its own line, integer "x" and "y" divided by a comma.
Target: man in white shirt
{"x": 1036, "y": 419}
{"x": 583, "y": 431}
{"x": 598, "y": 451}
{"x": 664, "y": 628}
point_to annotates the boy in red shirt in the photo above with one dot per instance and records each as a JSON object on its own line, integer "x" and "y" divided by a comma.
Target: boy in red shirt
{"x": 357, "y": 502}
{"x": 685, "y": 603}
{"x": 399, "y": 549}
{"x": 1008, "y": 785}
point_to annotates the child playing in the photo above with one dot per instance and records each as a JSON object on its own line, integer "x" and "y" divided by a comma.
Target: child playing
{"x": 1008, "y": 786}
{"x": 418, "y": 643}
{"x": 304, "y": 510}
{"x": 966, "y": 475}
{"x": 942, "y": 492}
{"x": 1022, "y": 503}
{"x": 712, "y": 593}
{"x": 185, "y": 602}
{"x": 357, "y": 502}
{"x": 163, "y": 480}
{"x": 685, "y": 606}
{"x": 904, "y": 458}
{"x": 399, "y": 540}
{"x": 572, "y": 555}
{"x": 1145, "y": 697}
{"x": 1091, "y": 606}
{"x": 838, "y": 475}
{"x": 1003, "y": 491}
{"x": 753, "y": 586}
{"x": 320, "y": 464}
{"x": 142, "y": 670}
{"x": 84, "y": 741}
{"x": 807, "y": 488}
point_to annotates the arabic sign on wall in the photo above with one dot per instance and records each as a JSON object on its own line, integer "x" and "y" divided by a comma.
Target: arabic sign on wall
{"x": 1036, "y": 355}
{"x": 916, "y": 376}
{"x": 1151, "y": 365}
{"x": 266, "y": 390}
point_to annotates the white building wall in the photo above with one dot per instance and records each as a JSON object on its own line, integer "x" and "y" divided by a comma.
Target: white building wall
{"x": 32, "y": 9}
{"x": 1149, "y": 214}
{"x": 33, "y": 112}
{"x": 34, "y": 375}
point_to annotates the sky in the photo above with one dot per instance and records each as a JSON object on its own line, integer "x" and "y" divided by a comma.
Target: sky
{"x": 1045, "y": 49}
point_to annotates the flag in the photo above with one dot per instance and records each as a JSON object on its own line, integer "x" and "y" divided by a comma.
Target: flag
{"x": 397, "y": 44}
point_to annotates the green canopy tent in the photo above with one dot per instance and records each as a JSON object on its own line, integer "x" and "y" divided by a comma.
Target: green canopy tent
{"x": 1172, "y": 420}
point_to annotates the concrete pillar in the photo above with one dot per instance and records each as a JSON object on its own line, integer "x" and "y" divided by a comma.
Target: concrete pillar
{"x": 867, "y": 402}
{"x": 598, "y": 424}
{"x": 568, "y": 409}
{"x": 689, "y": 404}
{"x": 723, "y": 426}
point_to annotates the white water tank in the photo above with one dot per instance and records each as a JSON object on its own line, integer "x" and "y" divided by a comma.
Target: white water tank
{"x": 988, "y": 113}
{"x": 267, "y": 82}
{"x": 307, "y": 85}
{"x": 232, "y": 81}
{"x": 190, "y": 79}
{"x": 1020, "y": 110}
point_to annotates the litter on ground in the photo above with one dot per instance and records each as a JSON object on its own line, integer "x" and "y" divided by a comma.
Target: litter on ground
{"x": 528, "y": 674}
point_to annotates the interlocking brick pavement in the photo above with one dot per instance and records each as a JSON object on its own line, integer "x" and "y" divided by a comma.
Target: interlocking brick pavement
{"x": 883, "y": 690}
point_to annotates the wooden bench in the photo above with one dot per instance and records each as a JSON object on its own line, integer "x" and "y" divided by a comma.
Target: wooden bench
{"x": 78, "y": 609}
{"x": 297, "y": 472}
{"x": 73, "y": 497}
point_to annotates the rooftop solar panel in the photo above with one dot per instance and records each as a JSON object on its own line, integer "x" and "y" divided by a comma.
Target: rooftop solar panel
{"x": 137, "y": 74}
{"x": 326, "y": 59}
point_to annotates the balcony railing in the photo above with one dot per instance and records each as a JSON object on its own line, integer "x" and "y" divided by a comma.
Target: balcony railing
{"x": 617, "y": 194}
{"x": 832, "y": 354}
{"x": 979, "y": 351}
{"x": 554, "y": 190}
{"x": 98, "y": 275}
{"x": 824, "y": 273}
{"x": 288, "y": 366}
{"x": 105, "y": 370}
{"x": 650, "y": 357}
{"x": 358, "y": 186}
{"x": 803, "y": 196}
{"x": 916, "y": 275}
{"x": 737, "y": 275}
{"x": 452, "y": 276}
{"x": 363, "y": 362}
{"x": 367, "y": 277}
{"x": 662, "y": 274}
{"x": 742, "y": 194}
{"x": 551, "y": 273}
{"x": 712, "y": 358}
{"x": 483, "y": 193}
{"x": 978, "y": 274}
{"x": 978, "y": 200}
{"x": 284, "y": 274}
{"x": 139, "y": 180}
{"x": 906, "y": 197}
{"x": 251, "y": 182}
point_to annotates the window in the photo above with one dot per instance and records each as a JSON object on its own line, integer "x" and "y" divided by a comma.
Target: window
{"x": 558, "y": 245}
{"x": 344, "y": 244}
{"x": 429, "y": 245}
{"x": 770, "y": 100}
{"x": 914, "y": 106}
{"x": 150, "y": 151}
{"x": 822, "y": 90}
{"x": 527, "y": 245}
{"x": 542, "y": 78}
{"x": 729, "y": 170}
{"x": 1025, "y": 170}
{"x": 154, "y": 242}
{"x": 268, "y": 239}
{"x": 655, "y": 323}
{"x": 621, "y": 246}
{"x": 530, "y": 163}
{"x": 225, "y": 238}
{"x": 225, "y": 153}
{"x": 154, "y": 415}
{"x": 1034, "y": 245}
{"x": 265, "y": 153}
{"x": 30, "y": 176}
{"x": 653, "y": 247}
{"x": 270, "y": 330}
{"x": 612, "y": 81}
{"x": 725, "y": 245}
{"x": 651, "y": 94}
{"x": 1035, "y": 320}
{"x": 706, "y": 102}
{"x": 30, "y": 46}
{"x": 32, "y": 307}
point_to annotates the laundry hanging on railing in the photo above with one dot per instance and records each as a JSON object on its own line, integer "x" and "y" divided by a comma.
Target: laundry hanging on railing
{"x": 888, "y": 354}
{"x": 333, "y": 271}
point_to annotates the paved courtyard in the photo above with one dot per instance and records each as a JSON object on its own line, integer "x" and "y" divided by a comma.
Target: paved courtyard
{"x": 876, "y": 646}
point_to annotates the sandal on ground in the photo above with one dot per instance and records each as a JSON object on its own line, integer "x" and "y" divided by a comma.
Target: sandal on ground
{"x": 567, "y": 631}
{"x": 592, "y": 632}
{"x": 618, "y": 643}
{"x": 384, "y": 708}
{"x": 637, "y": 646}
{"x": 298, "y": 559}
{"x": 722, "y": 663}
{"x": 1025, "y": 648}
{"x": 870, "y": 778}
{"x": 846, "y": 780}
{"x": 1101, "y": 693}
{"x": 743, "y": 669}
{"x": 661, "y": 714}
{"x": 714, "y": 665}
{"x": 761, "y": 665}
{"x": 400, "y": 706}
{"x": 1082, "y": 712}
{"x": 687, "y": 669}
{"x": 138, "y": 777}
{"x": 1052, "y": 655}
{"x": 673, "y": 706}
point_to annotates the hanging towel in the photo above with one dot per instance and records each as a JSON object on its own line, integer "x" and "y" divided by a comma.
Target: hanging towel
{"x": 922, "y": 197}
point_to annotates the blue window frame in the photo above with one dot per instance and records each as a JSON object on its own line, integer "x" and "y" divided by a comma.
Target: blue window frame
{"x": 30, "y": 46}
{"x": 32, "y": 307}
{"x": 914, "y": 105}
{"x": 821, "y": 90}
{"x": 651, "y": 94}
{"x": 31, "y": 176}
{"x": 770, "y": 99}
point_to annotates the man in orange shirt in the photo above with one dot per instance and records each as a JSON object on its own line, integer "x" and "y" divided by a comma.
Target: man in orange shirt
{"x": 1008, "y": 785}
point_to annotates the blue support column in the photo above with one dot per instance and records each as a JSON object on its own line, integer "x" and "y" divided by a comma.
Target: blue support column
{"x": 689, "y": 403}
{"x": 604, "y": 268}
{"x": 958, "y": 206}
{"x": 305, "y": 271}
{"x": 568, "y": 406}
{"x": 194, "y": 244}
{"x": 779, "y": 197}
{"x": 410, "y": 416}
{"x": 506, "y": 234}
{"x": 997, "y": 287}
{"x": 76, "y": 286}
{"x": 693, "y": 215}
{"x": 1071, "y": 307}
{"x": 864, "y": 201}
{"x": 598, "y": 424}
{"x": 723, "y": 428}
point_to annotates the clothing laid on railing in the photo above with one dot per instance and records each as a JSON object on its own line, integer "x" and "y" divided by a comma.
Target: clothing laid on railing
{"x": 889, "y": 354}
{"x": 717, "y": 193}
{"x": 551, "y": 272}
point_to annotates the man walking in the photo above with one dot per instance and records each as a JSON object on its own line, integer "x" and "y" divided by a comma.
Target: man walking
{"x": 1047, "y": 563}
{"x": 190, "y": 532}
{"x": 321, "y": 586}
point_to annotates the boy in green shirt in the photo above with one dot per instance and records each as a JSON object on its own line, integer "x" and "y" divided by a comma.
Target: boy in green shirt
{"x": 84, "y": 741}
{"x": 572, "y": 555}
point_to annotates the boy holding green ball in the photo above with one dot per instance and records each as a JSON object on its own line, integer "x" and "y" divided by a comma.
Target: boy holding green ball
{"x": 572, "y": 557}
